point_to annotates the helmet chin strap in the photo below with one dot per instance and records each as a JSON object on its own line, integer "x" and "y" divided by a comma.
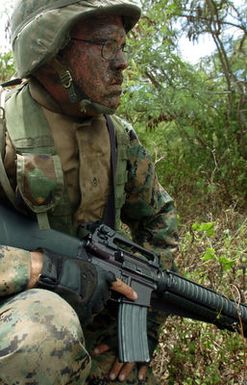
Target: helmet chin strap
{"x": 91, "y": 108}
{"x": 76, "y": 95}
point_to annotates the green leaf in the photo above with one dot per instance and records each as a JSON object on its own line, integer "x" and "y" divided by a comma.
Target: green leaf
{"x": 226, "y": 263}
{"x": 209, "y": 254}
{"x": 207, "y": 228}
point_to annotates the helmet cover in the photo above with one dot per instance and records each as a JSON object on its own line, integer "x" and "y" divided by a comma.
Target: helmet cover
{"x": 40, "y": 29}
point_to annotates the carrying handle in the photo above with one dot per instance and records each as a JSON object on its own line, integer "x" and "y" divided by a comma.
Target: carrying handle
{"x": 132, "y": 333}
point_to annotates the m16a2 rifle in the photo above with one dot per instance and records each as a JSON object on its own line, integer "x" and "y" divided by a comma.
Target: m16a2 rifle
{"x": 159, "y": 289}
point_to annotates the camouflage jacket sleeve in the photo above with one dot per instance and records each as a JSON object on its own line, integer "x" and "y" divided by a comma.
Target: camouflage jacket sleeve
{"x": 15, "y": 264}
{"x": 149, "y": 210}
{"x": 15, "y": 268}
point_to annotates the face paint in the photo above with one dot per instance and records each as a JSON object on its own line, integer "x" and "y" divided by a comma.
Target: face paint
{"x": 97, "y": 77}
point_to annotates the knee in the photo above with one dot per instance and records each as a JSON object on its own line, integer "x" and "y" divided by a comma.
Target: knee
{"x": 48, "y": 318}
{"x": 45, "y": 337}
{"x": 48, "y": 323}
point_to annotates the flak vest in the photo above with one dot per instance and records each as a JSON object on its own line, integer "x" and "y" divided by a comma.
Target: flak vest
{"x": 40, "y": 179}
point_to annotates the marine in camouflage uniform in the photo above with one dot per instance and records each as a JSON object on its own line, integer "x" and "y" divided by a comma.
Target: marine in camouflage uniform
{"x": 41, "y": 338}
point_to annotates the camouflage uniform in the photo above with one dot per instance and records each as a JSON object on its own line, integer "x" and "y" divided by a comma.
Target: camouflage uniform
{"x": 149, "y": 212}
{"x": 41, "y": 339}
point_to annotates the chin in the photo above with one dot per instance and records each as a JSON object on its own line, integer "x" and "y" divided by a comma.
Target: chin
{"x": 113, "y": 103}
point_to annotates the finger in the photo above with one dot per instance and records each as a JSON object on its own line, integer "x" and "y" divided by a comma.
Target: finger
{"x": 126, "y": 370}
{"x": 124, "y": 289}
{"x": 115, "y": 370}
{"x": 142, "y": 373}
{"x": 100, "y": 349}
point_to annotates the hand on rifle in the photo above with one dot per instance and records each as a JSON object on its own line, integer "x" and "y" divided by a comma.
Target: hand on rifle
{"x": 120, "y": 370}
{"x": 77, "y": 280}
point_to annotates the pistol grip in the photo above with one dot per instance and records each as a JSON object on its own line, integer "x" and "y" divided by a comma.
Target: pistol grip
{"x": 132, "y": 333}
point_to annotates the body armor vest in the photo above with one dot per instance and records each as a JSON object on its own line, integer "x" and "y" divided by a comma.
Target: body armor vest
{"x": 40, "y": 180}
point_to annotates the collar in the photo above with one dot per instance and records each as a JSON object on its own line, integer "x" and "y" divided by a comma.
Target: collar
{"x": 42, "y": 97}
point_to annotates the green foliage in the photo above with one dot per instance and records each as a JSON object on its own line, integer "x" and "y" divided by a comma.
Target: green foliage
{"x": 192, "y": 128}
{"x": 193, "y": 119}
{"x": 213, "y": 254}
{"x": 7, "y": 69}
{"x": 207, "y": 228}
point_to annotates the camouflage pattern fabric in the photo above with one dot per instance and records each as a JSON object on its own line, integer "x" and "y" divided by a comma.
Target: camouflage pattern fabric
{"x": 41, "y": 168}
{"x": 50, "y": 23}
{"x": 41, "y": 341}
{"x": 145, "y": 206}
{"x": 15, "y": 267}
{"x": 149, "y": 210}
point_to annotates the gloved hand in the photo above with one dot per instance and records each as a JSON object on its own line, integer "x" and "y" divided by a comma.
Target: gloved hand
{"x": 121, "y": 371}
{"x": 84, "y": 286}
{"x": 108, "y": 345}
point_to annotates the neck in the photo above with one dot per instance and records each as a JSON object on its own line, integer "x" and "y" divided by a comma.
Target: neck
{"x": 60, "y": 95}
{"x": 82, "y": 109}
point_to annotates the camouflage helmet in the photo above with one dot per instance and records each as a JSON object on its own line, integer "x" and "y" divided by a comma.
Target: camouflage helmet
{"x": 40, "y": 28}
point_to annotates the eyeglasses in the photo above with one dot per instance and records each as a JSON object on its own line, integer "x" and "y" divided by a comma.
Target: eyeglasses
{"x": 109, "y": 48}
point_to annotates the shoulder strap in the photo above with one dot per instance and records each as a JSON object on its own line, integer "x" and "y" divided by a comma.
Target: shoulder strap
{"x": 4, "y": 180}
{"x": 109, "y": 214}
{"x": 32, "y": 133}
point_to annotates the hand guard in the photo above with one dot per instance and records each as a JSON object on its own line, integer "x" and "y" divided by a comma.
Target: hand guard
{"x": 84, "y": 286}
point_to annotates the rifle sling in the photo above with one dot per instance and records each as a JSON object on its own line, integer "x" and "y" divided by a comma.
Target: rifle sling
{"x": 109, "y": 213}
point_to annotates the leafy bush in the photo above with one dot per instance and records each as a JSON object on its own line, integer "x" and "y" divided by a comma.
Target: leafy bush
{"x": 213, "y": 254}
{"x": 7, "y": 69}
{"x": 194, "y": 117}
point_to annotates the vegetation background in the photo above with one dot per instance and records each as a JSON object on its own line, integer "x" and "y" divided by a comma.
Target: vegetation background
{"x": 193, "y": 120}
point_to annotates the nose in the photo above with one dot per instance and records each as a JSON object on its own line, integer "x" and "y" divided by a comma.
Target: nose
{"x": 120, "y": 61}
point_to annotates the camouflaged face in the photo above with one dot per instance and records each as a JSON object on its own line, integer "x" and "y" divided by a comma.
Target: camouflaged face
{"x": 15, "y": 267}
